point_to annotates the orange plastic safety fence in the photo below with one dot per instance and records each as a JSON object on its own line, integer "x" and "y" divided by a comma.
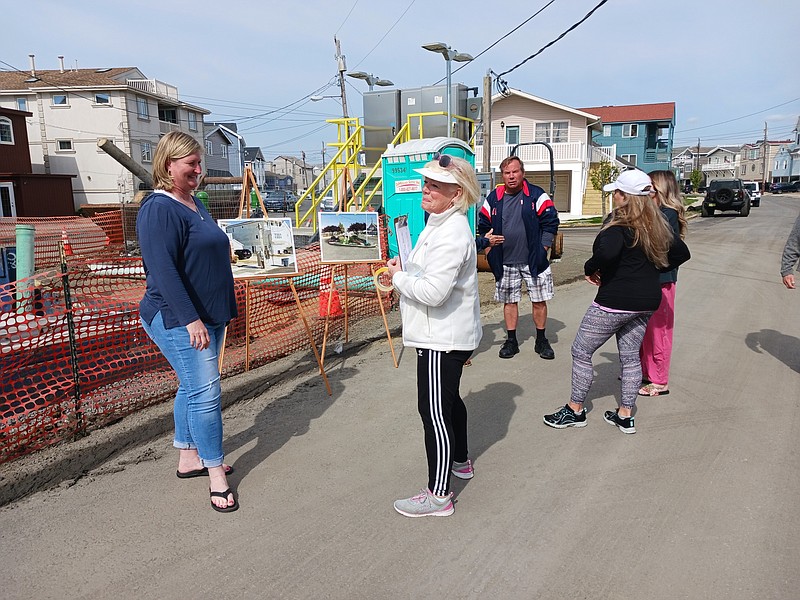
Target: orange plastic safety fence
{"x": 63, "y": 372}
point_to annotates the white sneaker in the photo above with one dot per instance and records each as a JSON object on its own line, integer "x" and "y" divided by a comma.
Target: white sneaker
{"x": 425, "y": 504}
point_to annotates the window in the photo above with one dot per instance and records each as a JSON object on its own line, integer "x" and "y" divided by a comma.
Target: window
{"x": 6, "y": 131}
{"x": 606, "y": 130}
{"x": 142, "y": 109}
{"x": 22, "y": 104}
{"x": 630, "y": 158}
{"x": 60, "y": 100}
{"x": 209, "y": 148}
{"x": 102, "y": 99}
{"x": 555, "y": 132}
{"x": 753, "y": 167}
{"x": 630, "y": 130}
{"x": 224, "y": 151}
{"x": 192, "y": 121}
{"x": 147, "y": 152}
{"x": 168, "y": 115}
{"x": 64, "y": 146}
{"x": 512, "y": 135}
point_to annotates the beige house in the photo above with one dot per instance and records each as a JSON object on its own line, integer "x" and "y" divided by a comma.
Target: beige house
{"x": 519, "y": 118}
{"x": 755, "y": 157}
{"x": 73, "y": 108}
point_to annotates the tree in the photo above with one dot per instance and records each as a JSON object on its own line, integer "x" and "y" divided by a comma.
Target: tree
{"x": 696, "y": 178}
{"x": 602, "y": 174}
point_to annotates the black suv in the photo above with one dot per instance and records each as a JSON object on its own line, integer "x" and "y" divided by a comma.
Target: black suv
{"x": 726, "y": 194}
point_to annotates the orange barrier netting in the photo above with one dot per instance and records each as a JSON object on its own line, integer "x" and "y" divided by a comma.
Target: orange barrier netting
{"x": 63, "y": 372}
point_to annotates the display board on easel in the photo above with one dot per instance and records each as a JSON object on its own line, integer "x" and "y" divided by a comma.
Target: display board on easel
{"x": 266, "y": 250}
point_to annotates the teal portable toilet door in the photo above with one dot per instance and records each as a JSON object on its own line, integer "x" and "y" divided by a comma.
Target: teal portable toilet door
{"x": 402, "y": 186}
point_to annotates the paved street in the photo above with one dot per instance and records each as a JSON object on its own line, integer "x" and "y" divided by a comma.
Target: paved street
{"x": 703, "y": 502}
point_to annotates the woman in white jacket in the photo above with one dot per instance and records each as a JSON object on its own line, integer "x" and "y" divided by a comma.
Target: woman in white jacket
{"x": 441, "y": 318}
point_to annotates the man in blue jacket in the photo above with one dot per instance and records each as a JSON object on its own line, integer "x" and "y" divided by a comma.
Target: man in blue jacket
{"x": 517, "y": 225}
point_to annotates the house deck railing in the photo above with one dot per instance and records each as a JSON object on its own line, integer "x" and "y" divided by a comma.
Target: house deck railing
{"x": 562, "y": 152}
{"x": 154, "y": 86}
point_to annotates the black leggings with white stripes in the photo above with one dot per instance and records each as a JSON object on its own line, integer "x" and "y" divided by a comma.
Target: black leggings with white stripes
{"x": 444, "y": 415}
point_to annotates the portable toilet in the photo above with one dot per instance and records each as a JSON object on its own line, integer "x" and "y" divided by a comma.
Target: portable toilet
{"x": 402, "y": 186}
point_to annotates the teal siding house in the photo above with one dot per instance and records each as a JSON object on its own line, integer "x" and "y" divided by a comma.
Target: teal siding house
{"x": 642, "y": 133}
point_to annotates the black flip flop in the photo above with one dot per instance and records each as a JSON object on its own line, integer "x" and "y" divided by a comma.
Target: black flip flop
{"x": 199, "y": 473}
{"x": 224, "y": 495}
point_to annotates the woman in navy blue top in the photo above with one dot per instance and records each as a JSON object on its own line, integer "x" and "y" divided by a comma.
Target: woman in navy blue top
{"x": 187, "y": 304}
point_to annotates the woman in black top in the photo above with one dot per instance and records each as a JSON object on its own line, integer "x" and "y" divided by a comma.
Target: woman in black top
{"x": 634, "y": 245}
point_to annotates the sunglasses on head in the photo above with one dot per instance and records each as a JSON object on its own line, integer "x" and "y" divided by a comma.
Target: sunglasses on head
{"x": 444, "y": 159}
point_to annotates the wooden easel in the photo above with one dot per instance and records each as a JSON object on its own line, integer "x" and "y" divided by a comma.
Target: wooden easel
{"x": 248, "y": 183}
{"x": 345, "y": 265}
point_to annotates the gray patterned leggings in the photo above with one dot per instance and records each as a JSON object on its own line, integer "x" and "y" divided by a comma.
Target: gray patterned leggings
{"x": 596, "y": 328}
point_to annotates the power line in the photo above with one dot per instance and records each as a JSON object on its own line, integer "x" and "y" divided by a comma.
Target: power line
{"x": 546, "y": 46}
{"x": 387, "y": 33}
{"x": 739, "y": 118}
{"x": 500, "y": 39}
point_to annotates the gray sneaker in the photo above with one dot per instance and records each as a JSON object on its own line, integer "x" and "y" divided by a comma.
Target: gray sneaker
{"x": 425, "y": 504}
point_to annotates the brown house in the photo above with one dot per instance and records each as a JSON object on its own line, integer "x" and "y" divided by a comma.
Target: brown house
{"x": 23, "y": 193}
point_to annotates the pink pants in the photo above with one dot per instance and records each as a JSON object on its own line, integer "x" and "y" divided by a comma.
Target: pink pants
{"x": 656, "y": 348}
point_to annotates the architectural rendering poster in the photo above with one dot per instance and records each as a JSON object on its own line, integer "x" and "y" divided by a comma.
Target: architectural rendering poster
{"x": 261, "y": 247}
{"x": 349, "y": 237}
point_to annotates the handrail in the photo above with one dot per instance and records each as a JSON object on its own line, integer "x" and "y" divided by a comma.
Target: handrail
{"x": 332, "y": 166}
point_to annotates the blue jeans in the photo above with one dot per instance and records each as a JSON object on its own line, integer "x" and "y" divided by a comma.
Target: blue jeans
{"x": 198, "y": 406}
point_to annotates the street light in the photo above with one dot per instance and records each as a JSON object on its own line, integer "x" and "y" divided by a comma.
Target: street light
{"x": 318, "y": 98}
{"x": 371, "y": 79}
{"x": 449, "y": 55}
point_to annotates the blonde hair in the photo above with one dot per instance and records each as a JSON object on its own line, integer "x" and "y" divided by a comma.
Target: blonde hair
{"x": 173, "y": 146}
{"x": 651, "y": 231}
{"x": 467, "y": 181}
{"x": 668, "y": 194}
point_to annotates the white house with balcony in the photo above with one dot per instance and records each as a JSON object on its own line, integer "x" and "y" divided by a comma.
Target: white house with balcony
{"x": 74, "y": 108}
{"x": 722, "y": 163}
{"x": 520, "y": 118}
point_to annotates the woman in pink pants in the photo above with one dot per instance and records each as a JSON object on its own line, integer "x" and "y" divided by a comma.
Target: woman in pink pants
{"x": 656, "y": 348}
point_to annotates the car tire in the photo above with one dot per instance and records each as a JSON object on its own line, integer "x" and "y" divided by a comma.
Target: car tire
{"x": 745, "y": 210}
{"x": 706, "y": 212}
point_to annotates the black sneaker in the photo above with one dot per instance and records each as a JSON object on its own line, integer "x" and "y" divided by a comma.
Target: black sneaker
{"x": 543, "y": 349}
{"x": 625, "y": 424}
{"x": 509, "y": 349}
{"x": 565, "y": 417}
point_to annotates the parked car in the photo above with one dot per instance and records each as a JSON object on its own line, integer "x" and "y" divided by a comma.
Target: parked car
{"x": 754, "y": 189}
{"x": 279, "y": 201}
{"x": 780, "y": 187}
{"x": 327, "y": 203}
{"x": 726, "y": 194}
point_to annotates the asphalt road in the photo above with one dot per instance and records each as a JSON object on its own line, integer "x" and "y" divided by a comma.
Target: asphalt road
{"x": 701, "y": 503}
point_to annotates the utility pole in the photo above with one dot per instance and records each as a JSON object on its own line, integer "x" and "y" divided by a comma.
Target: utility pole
{"x": 340, "y": 59}
{"x": 486, "y": 111}
{"x": 764, "y": 159}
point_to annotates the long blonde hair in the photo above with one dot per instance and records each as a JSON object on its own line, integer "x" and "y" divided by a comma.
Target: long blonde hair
{"x": 650, "y": 229}
{"x": 669, "y": 194}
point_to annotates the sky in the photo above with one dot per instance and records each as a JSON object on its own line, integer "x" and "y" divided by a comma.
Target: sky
{"x": 729, "y": 65}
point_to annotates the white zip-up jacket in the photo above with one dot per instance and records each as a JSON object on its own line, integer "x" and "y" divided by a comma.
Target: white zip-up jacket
{"x": 438, "y": 288}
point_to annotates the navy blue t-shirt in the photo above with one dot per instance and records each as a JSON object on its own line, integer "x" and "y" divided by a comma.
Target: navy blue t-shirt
{"x": 186, "y": 259}
{"x": 515, "y": 246}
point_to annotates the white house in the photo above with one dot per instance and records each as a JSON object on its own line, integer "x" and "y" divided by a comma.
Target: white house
{"x": 74, "y": 108}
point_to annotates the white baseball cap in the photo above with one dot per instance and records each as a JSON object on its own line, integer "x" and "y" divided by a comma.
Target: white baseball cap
{"x": 633, "y": 182}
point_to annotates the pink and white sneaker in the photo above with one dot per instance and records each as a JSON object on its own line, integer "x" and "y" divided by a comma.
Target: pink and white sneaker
{"x": 463, "y": 470}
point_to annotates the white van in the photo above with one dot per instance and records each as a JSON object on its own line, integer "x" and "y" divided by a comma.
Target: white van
{"x": 754, "y": 189}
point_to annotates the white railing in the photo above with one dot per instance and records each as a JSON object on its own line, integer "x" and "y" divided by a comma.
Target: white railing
{"x": 154, "y": 86}
{"x": 562, "y": 152}
{"x": 724, "y": 166}
{"x": 604, "y": 153}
